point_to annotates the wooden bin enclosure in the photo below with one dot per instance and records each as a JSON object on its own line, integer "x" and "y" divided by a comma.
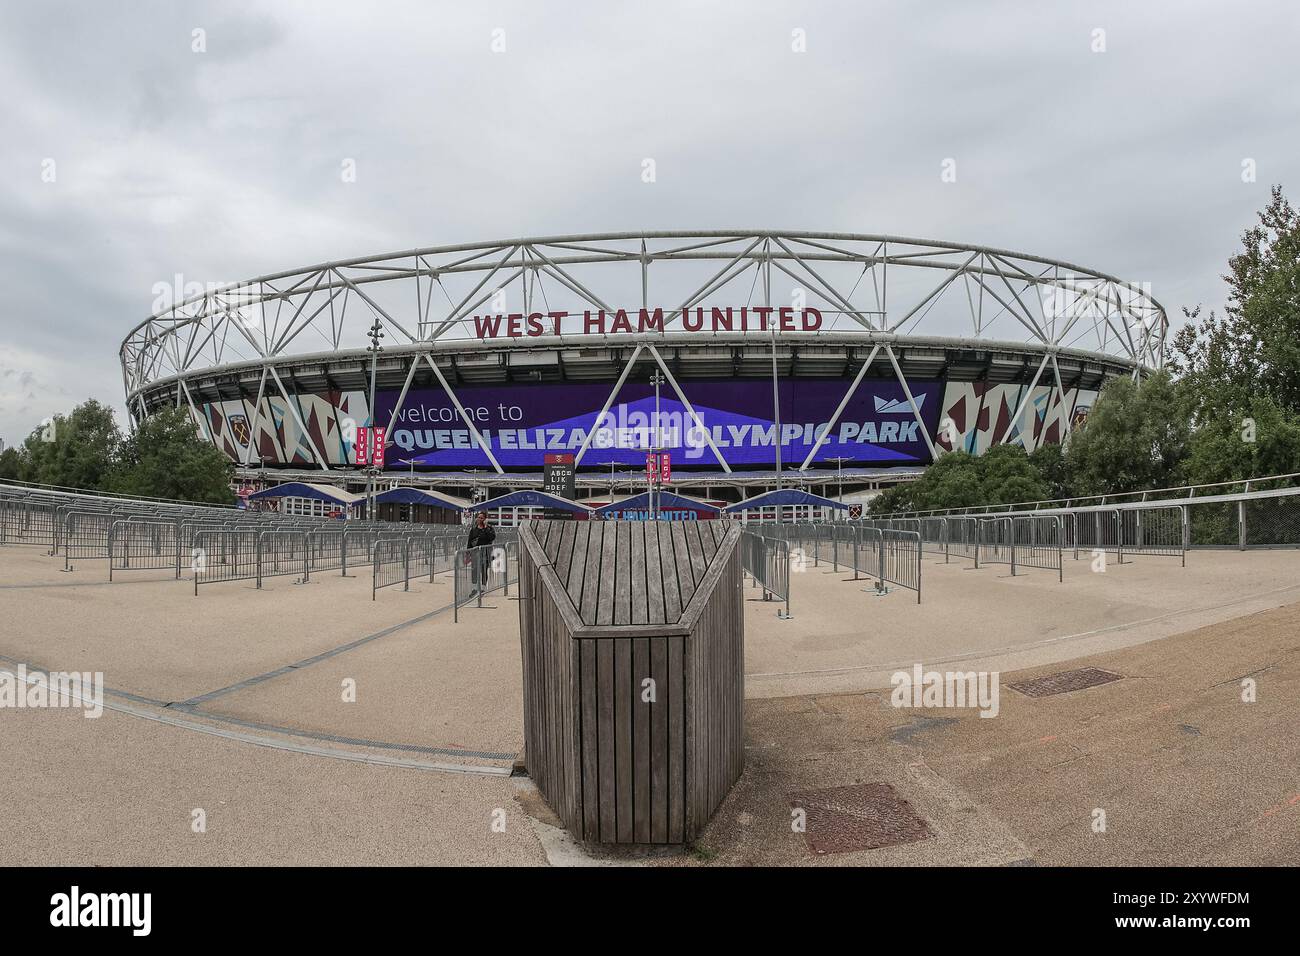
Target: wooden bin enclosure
{"x": 606, "y": 608}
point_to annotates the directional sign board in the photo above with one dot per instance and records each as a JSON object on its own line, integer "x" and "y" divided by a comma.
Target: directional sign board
{"x": 557, "y": 478}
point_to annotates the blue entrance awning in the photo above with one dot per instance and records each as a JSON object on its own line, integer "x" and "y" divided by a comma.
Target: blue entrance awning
{"x": 785, "y": 497}
{"x": 531, "y": 499}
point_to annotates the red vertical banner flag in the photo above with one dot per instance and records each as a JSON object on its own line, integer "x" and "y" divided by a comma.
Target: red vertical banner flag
{"x": 377, "y": 454}
{"x": 652, "y": 468}
{"x": 666, "y": 467}
{"x": 362, "y": 445}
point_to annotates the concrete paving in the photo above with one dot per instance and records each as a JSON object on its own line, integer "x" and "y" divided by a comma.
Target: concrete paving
{"x": 255, "y": 722}
{"x": 844, "y": 638}
{"x": 1186, "y": 772}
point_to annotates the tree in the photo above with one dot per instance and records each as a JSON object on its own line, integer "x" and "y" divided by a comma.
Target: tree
{"x": 1135, "y": 437}
{"x": 74, "y": 451}
{"x": 1254, "y": 349}
{"x": 1228, "y": 446}
{"x": 1050, "y": 463}
{"x": 11, "y": 465}
{"x": 1003, "y": 475}
{"x": 168, "y": 458}
{"x": 1009, "y": 476}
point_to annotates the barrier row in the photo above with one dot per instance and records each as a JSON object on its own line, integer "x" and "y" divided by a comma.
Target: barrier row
{"x": 1038, "y": 540}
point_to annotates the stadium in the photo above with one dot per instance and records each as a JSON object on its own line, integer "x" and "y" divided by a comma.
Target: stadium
{"x": 836, "y": 363}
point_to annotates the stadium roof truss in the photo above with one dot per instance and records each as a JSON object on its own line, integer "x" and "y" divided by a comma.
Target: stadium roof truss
{"x": 876, "y": 293}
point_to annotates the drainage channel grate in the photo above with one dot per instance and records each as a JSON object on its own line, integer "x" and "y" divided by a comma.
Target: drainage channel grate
{"x": 1065, "y": 682}
{"x": 863, "y": 817}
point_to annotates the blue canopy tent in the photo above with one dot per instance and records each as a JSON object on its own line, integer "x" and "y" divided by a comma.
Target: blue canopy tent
{"x": 532, "y": 499}
{"x": 419, "y": 496}
{"x": 785, "y": 498}
{"x": 671, "y": 506}
{"x": 309, "y": 491}
{"x": 419, "y": 505}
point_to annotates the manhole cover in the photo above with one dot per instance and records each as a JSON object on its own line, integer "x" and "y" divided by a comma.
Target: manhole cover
{"x": 1064, "y": 682}
{"x": 863, "y": 817}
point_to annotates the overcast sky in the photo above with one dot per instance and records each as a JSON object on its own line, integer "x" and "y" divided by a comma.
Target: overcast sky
{"x": 225, "y": 164}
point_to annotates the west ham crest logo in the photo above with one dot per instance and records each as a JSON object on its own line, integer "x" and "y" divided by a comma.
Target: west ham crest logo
{"x": 239, "y": 428}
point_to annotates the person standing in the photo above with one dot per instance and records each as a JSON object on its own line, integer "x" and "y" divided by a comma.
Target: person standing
{"x": 481, "y": 536}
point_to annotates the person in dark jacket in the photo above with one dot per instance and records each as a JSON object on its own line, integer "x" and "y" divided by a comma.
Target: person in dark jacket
{"x": 481, "y": 535}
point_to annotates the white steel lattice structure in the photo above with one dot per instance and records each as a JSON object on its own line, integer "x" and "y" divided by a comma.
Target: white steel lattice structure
{"x": 276, "y": 368}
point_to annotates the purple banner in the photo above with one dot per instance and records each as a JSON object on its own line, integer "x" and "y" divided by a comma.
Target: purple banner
{"x": 523, "y": 423}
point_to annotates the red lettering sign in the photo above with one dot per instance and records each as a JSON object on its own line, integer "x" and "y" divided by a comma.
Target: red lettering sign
{"x": 621, "y": 321}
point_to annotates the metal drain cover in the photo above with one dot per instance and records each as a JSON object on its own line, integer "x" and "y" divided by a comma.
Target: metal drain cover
{"x": 862, "y": 817}
{"x": 1064, "y": 682}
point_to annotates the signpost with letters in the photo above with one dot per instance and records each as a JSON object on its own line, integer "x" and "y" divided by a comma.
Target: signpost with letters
{"x": 558, "y": 476}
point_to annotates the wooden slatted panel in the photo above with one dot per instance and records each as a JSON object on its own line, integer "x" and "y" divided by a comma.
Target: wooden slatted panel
{"x": 608, "y": 574}
{"x": 590, "y": 744}
{"x": 578, "y": 563}
{"x": 659, "y": 741}
{"x": 564, "y": 554}
{"x": 654, "y": 584}
{"x": 625, "y": 697}
{"x": 623, "y": 573}
{"x": 640, "y": 744}
{"x": 606, "y": 739}
{"x": 682, "y": 562}
{"x": 668, "y": 575}
{"x": 592, "y": 581}
{"x": 695, "y": 549}
{"x": 638, "y": 573}
{"x": 676, "y": 740}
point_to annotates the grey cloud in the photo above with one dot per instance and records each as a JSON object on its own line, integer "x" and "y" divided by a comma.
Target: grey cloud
{"x": 226, "y": 164}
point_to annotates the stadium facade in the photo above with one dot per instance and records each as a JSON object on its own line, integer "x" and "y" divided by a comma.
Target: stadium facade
{"x": 812, "y": 358}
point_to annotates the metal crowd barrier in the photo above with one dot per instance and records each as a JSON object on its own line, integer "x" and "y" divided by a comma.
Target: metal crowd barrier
{"x": 282, "y": 552}
{"x": 934, "y": 535}
{"x": 899, "y": 557}
{"x": 961, "y": 538}
{"x": 1036, "y": 543}
{"x": 85, "y": 534}
{"x": 1161, "y": 531}
{"x": 391, "y": 564}
{"x": 994, "y": 543}
{"x": 224, "y": 555}
{"x": 24, "y": 520}
{"x": 479, "y": 571}
{"x": 325, "y": 550}
{"x": 1096, "y": 531}
{"x": 767, "y": 561}
{"x": 135, "y": 544}
{"x": 891, "y": 557}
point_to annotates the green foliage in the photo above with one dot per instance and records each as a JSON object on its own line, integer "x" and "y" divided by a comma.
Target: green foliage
{"x": 168, "y": 458}
{"x": 1254, "y": 349}
{"x": 1228, "y": 445}
{"x": 165, "y": 458}
{"x": 11, "y": 465}
{"x": 76, "y": 450}
{"x": 1003, "y": 475}
{"x": 1135, "y": 438}
{"x": 1050, "y": 463}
